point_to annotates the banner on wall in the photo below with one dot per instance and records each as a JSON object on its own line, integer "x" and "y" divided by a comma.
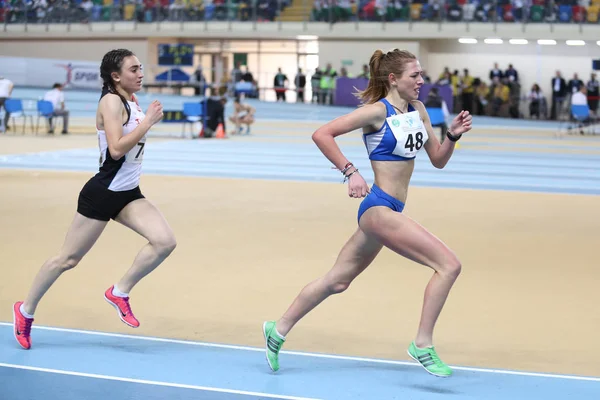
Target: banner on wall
{"x": 44, "y": 72}
{"x": 345, "y": 89}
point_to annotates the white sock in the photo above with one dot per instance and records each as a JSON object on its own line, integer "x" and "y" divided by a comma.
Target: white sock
{"x": 25, "y": 314}
{"x": 118, "y": 293}
{"x": 279, "y": 334}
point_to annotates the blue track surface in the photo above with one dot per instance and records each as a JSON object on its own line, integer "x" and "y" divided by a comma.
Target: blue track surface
{"x": 144, "y": 368}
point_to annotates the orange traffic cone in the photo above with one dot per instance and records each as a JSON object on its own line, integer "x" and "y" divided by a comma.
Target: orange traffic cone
{"x": 220, "y": 133}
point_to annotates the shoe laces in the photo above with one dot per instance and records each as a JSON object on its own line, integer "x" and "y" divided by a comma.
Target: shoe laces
{"x": 25, "y": 326}
{"x": 435, "y": 357}
{"x": 125, "y": 306}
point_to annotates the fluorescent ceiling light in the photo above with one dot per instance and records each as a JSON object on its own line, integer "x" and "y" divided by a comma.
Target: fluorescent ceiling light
{"x": 467, "y": 40}
{"x": 518, "y": 41}
{"x": 546, "y": 41}
{"x": 307, "y": 37}
{"x": 598, "y": 42}
{"x": 575, "y": 43}
{"x": 493, "y": 41}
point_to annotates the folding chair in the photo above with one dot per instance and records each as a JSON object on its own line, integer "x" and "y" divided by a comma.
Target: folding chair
{"x": 45, "y": 109}
{"x": 582, "y": 114}
{"x": 193, "y": 113}
{"x": 243, "y": 89}
{"x": 436, "y": 116}
{"x": 15, "y": 108}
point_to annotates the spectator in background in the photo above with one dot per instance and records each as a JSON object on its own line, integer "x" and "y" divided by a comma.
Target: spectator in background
{"x": 455, "y": 81}
{"x": 57, "y": 98}
{"x": 482, "y": 92}
{"x": 445, "y": 74}
{"x": 215, "y": 115}
{"x": 501, "y": 95}
{"x": 300, "y": 83}
{"x": 467, "y": 91}
{"x": 559, "y": 92}
{"x": 593, "y": 92}
{"x": 518, "y": 9}
{"x": 86, "y": 6}
{"x": 496, "y": 73}
{"x": 236, "y": 74}
{"x": 573, "y": 87}
{"x": 536, "y": 100}
{"x": 266, "y": 10}
{"x": 176, "y": 10}
{"x": 365, "y": 72}
{"x": 574, "y": 84}
{"x": 200, "y": 80}
{"x": 434, "y": 100}
{"x": 247, "y": 75}
{"x": 243, "y": 114}
{"x": 514, "y": 98}
{"x": 327, "y": 84}
{"x": 6, "y": 88}
{"x": 279, "y": 84}
{"x": 511, "y": 74}
{"x": 445, "y": 79}
{"x": 580, "y": 98}
{"x": 315, "y": 84}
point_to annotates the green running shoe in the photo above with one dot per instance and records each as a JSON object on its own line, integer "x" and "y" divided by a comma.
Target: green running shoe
{"x": 429, "y": 360}
{"x": 273, "y": 343}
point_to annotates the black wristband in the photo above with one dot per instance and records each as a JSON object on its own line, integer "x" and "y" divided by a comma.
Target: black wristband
{"x": 453, "y": 138}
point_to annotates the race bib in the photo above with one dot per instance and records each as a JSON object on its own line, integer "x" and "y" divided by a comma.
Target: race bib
{"x": 136, "y": 154}
{"x": 410, "y": 133}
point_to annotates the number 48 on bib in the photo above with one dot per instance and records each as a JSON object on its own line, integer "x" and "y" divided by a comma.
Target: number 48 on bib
{"x": 410, "y": 133}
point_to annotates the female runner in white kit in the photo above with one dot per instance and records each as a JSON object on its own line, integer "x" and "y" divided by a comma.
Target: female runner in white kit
{"x": 113, "y": 193}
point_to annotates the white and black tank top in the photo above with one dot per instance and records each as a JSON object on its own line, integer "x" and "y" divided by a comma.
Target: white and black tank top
{"x": 124, "y": 173}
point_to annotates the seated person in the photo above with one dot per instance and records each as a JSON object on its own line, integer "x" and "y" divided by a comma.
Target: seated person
{"x": 579, "y": 98}
{"x": 242, "y": 114}
{"x": 500, "y": 98}
{"x": 215, "y": 110}
{"x": 57, "y": 98}
{"x": 536, "y": 97}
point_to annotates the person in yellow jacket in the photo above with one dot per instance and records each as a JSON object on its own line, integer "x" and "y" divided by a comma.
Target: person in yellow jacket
{"x": 327, "y": 84}
{"x": 456, "y": 88}
{"x": 467, "y": 91}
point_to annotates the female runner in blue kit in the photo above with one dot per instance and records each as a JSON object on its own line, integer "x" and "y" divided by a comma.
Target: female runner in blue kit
{"x": 395, "y": 128}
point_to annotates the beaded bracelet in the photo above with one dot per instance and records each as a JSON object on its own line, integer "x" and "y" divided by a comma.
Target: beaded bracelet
{"x": 346, "y": 177}
{"x": 347, "y": 167}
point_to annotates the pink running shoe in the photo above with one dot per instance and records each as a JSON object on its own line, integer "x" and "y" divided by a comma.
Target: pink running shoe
{"x": 122, "y": 306}
{"x": 22, "y": 326}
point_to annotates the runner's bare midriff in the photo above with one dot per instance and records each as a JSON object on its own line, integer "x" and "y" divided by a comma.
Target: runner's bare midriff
{"x": 393, "y": 177}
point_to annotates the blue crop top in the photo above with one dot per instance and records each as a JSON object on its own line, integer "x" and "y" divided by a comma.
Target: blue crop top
{"x": 400, "y": 137}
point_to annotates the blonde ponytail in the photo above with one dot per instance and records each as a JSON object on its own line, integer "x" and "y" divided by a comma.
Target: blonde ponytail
{"x": 381, "y": 66}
